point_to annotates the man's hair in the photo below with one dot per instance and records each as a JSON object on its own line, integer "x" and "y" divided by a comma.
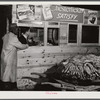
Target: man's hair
{"x": 33, "y": 30}
{"x": 24, "y": 29}
{"x": 13, "y": 27}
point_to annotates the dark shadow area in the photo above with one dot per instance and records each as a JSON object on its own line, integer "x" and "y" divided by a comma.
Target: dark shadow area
{"x": 91, "y": 7}
{"x": 5, "y": 12}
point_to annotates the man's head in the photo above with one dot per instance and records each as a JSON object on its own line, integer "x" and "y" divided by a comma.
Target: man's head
{"x": 13, "y": 28}
{"x": 33, "y": 32}
{"x": 25, "y": 30}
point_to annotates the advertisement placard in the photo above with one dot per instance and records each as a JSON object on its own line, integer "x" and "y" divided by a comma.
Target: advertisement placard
{"x": 92, "y": 17}
{"x": 26, "y": 13}
{"x": 62, "y": 13}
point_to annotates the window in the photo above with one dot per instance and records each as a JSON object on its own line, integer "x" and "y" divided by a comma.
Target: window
{"x": 90, "y": 34}
{"x": 53, "y": 36}
{"x": 36, "y": 36}
{"x": 72, "y": 33}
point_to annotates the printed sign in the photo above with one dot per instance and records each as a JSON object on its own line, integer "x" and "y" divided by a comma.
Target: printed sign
{"x": 26, "y": 13}
{"x": 92, "y": 17}
{"x": 62, "y": 13}
{"x": 47, "y": 12}
{"x": 38, "y": 14}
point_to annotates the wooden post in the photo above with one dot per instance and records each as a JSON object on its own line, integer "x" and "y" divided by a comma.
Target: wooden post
{"x": 79, "y": 34}
{"x": 7, "y": 26}
{"x": 45, "y": 34}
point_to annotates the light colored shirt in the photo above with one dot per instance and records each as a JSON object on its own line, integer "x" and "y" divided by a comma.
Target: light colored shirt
{"x": 24, "y": 36}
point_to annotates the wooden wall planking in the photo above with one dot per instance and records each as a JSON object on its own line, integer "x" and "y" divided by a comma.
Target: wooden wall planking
{"x": 51, "y": 56}
{"x": 28, "y": 71}
{"x": 39, "y": 59}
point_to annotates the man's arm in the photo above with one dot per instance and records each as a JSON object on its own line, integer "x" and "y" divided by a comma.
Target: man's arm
{"x": 15, "y": 42}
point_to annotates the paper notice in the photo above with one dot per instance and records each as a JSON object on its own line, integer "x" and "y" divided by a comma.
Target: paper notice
{"x": 92, "y": 18}
{"x": 47, "y": 13}
{"x": 24, "y": 12}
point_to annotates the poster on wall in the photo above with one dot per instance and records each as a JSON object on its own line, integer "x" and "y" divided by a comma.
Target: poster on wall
{"x": 92, "y": 17}
{"x": 26, "y": 13}
{"x": 63, "y": 13}
{"x": 47, "y": 12}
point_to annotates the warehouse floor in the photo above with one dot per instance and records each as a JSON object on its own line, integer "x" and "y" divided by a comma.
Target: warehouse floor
{"x": 37, "y": 88}
{"x": 48, "y": 87}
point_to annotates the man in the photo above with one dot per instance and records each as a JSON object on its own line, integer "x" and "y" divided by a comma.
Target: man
{"x": 33, "y": 39}
{"x": 24, "y": 34}
{"x": 11, "y": 45}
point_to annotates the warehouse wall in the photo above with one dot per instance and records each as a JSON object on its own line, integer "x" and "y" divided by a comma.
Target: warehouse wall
{"x": 38, "y": 59}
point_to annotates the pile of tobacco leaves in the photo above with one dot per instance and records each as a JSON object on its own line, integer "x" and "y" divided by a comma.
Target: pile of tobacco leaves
{"x": 79, "y": 69}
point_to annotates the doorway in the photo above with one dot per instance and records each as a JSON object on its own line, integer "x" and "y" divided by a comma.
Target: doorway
{"x": 5, "y": 13}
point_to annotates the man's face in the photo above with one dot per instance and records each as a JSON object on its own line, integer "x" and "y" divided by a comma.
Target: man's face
{"x": 28, "y": 33}
{"x": 32, "y": 34}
